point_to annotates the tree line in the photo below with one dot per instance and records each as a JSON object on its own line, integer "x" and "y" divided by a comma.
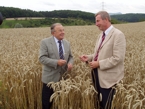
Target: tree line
{"x": 66, "y": 17}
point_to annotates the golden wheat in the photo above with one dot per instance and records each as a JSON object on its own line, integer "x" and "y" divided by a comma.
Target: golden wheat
{"x": 20, "y": 70}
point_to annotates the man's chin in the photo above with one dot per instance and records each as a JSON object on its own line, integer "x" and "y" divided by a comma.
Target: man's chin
{"x": 61, "y": 37}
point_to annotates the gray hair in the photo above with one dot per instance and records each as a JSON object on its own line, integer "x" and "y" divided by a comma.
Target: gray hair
{"x": 53, "y": 26}
{"x": 104, "y": 15}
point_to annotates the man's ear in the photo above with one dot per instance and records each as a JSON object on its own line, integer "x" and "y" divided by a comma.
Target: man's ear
{"x": 52, "y": 32}
{"x": 106, "y": 19}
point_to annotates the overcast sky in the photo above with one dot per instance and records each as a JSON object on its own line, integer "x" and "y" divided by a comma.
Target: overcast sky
{"x": 93, "y": 6}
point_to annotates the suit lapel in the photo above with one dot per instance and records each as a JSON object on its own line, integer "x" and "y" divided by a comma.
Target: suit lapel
{"x": 108, "y": 37}
{"x": 54, "y": 47}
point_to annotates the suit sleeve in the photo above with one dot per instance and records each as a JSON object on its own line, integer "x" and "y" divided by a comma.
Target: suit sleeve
{"x": 43, "y": 56}
{"x": 119, "y": 48}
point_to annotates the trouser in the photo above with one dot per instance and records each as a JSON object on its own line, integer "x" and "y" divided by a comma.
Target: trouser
{"x": 46, "y": 94}
{"x": 107, "y": 94}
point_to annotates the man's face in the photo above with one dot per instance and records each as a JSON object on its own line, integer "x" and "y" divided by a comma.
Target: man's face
{"x": 100, "y": 23}
{"x": 58, "y": 32}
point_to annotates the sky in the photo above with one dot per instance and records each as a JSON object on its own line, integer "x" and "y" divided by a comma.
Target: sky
{"x": 93, "y": 6}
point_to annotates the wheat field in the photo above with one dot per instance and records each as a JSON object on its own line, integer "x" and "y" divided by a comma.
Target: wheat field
{"x": 20, "y": 70}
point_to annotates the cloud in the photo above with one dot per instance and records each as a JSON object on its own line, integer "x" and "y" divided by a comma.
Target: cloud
{"x": 124, "y": 8}
{"x": 47, "y": 3}
{"x": 93, "y": 6}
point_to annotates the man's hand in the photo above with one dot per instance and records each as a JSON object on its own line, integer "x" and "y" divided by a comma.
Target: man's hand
{"x": 84, "y": 58}
{"x": 61, "y": 62}
{"x": 94, "y": 64}
{"x": 69, "y": 67}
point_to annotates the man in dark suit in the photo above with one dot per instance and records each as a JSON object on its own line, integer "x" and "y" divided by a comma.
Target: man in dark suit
{"x": 56, "y": 60}
{"x": 1, "y": 18}
{"x": 107, "y": 62}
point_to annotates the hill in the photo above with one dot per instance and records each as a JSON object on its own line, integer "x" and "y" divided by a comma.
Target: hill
{"x": 66, "y": 17}
{"x": 11, "y": 12}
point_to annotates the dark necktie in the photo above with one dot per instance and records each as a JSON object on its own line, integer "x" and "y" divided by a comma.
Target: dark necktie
{"x": 60, "y": 50}
{"x": 103, "y": 37}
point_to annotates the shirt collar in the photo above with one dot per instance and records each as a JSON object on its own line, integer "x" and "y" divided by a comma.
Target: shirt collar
{"x": 56, "y": 40}
{"x": 108, "y": 30}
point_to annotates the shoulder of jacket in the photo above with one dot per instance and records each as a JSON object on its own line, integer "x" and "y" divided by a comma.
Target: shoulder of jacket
{"x": 47, "y": 39}
{"x": 65, "y": 40}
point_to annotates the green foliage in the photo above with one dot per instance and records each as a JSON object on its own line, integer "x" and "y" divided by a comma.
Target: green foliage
{"x": 115, "y": 21}
{"x": 43, "y": 22}
{"x": 69, "y": 14}
{"x": 66, "y": 17}
{"x": 129, "y": 17}
{"x": 10, "y": 12}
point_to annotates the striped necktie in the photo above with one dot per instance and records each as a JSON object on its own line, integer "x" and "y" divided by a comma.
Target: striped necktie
{"x": 60, "y": 50}
{"x": 103, "y": 37}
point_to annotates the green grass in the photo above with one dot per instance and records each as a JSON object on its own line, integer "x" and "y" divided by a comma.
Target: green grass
{"x": 44, "y": 22}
